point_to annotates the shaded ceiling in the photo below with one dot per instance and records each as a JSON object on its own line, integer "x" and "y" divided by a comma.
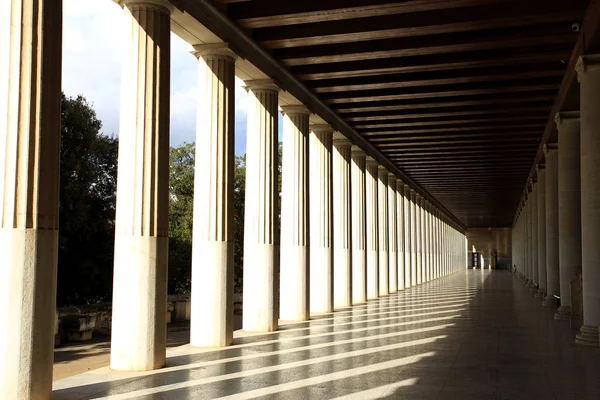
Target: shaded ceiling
{"x": 456, "y": 93}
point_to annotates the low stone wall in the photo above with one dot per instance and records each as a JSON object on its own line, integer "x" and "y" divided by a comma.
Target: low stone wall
{"x": 80, "y": 323}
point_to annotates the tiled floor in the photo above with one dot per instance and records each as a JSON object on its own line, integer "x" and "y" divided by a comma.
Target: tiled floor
{"x": 473, "y": 335}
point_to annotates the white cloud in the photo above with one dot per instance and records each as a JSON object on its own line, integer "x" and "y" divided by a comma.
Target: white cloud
{"x": 92, "y": 54}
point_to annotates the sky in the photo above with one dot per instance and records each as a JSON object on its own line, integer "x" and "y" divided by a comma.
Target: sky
{"x": 92, "y": 67}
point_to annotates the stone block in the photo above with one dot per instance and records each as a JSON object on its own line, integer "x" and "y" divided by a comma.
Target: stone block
{"x": 79, "y": 336}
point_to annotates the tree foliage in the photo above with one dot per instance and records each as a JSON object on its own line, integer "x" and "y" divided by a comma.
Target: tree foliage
{"x": 88, "y": 175}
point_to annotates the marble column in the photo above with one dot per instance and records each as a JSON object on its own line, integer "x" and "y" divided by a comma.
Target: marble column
{"x": 534, "y": 237}
{"x": 552, "y": 274}
{"x": 529, "y": 233}
{"x": 30, "y": 99}
{"x": 321, "y": 250}
{"x": 541, "y": 233}
{"x": 212, "y": 250}
{"x": 142, "y": 209}
{"x": 359, "y": 228}
{"x": 401, "y": 226}
{"x": 392, "y": 234}
{"x": 261, "y": 227}
{"x": 429, "y": 243}
{"x": 408, "y": 237}
{"x": 342, "y": 249}
{"x": 382, "y": 223}
{"x": 371, "y": 183}
{"x": 569, "y": 207}
{"x": 588, "y": 72}
{"x": 295, "y": 234}
{"x": 425, "y": 235}
{"x": 419, "y": 235}
{"x": 413, "y": 237}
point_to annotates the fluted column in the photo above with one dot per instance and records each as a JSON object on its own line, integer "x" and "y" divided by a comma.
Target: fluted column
{"x": 261, "y": 225}
{"x": 321, "y": 242}
{"x": 408, "y": 237}
{"x": 419, "y": 234}
{"x": 413, "y": 238}
{"x": 569, "y": 207}
{"x": 428, "y": 241}
{"x": 372, "y": 229}
{"x": 212, "y": 251}
{"x": 588, "y": 69}
{"x": 552, "y": 272}
{"x": 529, "y": 238}
{"x": 393, "y": 234}
{"x": 359, "y": 239}
{"x": 541, "y": 233}
{"x": 295, "y": 234}
{"x": 30, "y": 98}
{"x": 142, "y": 213}
{"x": 342, "y": 249}
{"x": 382, "y": 224}
{"x": 534, "y": 236}
{"x": 438, "y": 234}
{"x": 400, "y": 226}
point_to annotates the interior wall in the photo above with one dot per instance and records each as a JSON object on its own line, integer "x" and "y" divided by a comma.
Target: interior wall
{"x": 490, "y": 241}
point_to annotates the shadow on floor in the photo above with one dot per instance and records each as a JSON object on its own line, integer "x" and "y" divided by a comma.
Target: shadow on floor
{"x": 473, "y": 335}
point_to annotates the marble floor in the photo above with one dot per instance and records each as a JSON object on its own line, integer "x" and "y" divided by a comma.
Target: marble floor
{"x": 473, "y": 335}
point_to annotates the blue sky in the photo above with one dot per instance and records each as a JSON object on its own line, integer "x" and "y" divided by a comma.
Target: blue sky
{"x": 92, "y": 67}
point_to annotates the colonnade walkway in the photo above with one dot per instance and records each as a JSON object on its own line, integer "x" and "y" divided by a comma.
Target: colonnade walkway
{"x": 472, "y": 335}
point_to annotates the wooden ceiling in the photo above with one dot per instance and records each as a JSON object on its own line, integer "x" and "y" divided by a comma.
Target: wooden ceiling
{"x": 456, "y": 93}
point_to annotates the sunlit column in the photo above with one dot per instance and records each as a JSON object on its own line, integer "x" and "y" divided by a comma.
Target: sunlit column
{"x": 142, "y": 214}
{"x": 401, "y": 227}
{"x": 588, "y": 72}
{"x": 413, "y": 238}
{"x": 382, "y": 224}
{"x": 359, "y": 239}
{"x": 321, "y": 243}
{"x": 295, "y": 248}
{"x": 393, "y": 234}
{"x": 428, "y": 240}
{"x": 541, "y": 220}
{"x": 408, "y": 237}
{"x": 419, "y": 234}
{"x": 342, "y": 250}
{"x": 212, "y": 251}
{"x": 436, "y": 241}
{"x": 261, "y": 225}
{"x": 569, "y": 207}
{"x": 372, "y": 228}
{"x": 552, "y": 274}
{"x": 30, "y": 98}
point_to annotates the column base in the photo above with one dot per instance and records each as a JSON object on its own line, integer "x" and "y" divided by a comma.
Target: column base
{"x": 540, "y": 294}
{"x": 550, "y": 301}
{"x": 588, "y": 336}
{"x": 563, "y": 314}
{"x": 533, "y": 289}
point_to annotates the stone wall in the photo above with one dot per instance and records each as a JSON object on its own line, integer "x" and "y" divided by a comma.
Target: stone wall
{"x": 491, "y": 240}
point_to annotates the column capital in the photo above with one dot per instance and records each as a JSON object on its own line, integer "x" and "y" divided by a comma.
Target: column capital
{"x": 371, "y": 162}
{"x": 566, "y": 117}
{"x": 340, "y": 140}
{"x": 159, "y": 5}
{"x": 357, "y": 151}
{"x": 392, "y": 177}
{"x": 382, "y": 171}
{"x": 549, "y": 147}
{"x": 587, "y": 63}
{"x": 321, "y": 128}
{"x": 261, "y": 85}
{"x": 214, "y": 50}
{"x": 298, "y": 109}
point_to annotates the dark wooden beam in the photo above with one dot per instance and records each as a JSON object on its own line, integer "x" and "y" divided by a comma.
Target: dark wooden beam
{"x": 278, "y": 17}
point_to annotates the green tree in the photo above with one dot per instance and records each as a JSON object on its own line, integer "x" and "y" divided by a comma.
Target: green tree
{"x": 181, "y": 216}
{"x": 88, "y": 175}
{"x": 239, "y": 202}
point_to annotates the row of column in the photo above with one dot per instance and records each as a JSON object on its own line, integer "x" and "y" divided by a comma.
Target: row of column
{"x": 350, "y": 230}
{"x": 558, "y": 224}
